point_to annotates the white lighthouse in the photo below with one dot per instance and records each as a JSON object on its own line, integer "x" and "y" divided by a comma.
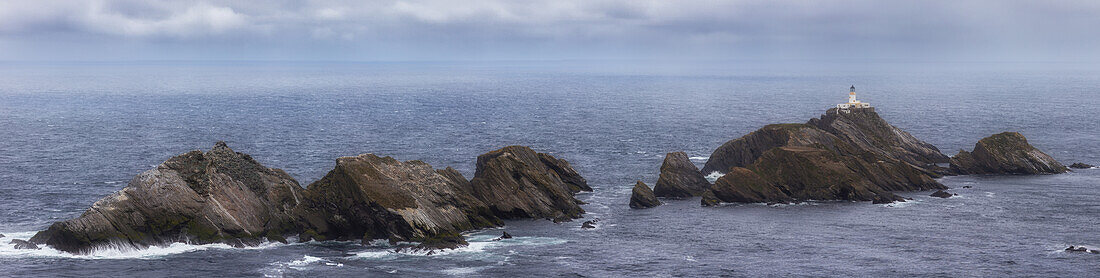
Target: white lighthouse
{"x": 853, "y": 103}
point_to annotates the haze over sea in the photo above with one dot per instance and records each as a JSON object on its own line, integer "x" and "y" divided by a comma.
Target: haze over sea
{"x": 73, "y": 133}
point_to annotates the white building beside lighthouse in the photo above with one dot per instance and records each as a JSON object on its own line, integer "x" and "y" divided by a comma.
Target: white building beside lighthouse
{"x": 853, "y": 103}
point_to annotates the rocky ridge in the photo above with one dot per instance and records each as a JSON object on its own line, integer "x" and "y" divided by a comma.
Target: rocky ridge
{"x": 227, "y": 197}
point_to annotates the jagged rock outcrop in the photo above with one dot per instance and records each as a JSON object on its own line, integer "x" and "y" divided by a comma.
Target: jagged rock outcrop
{"x": 941, "y": 194}
{"x": 23, "y": 244}
{"x": 867, "y": 131}
{"x": 515, "y": 182}
{"x": 679, "y": 178}
{"x": 1005, "y": 153}
{"x": 369, "y": 197}
{"x": 1080, "y": 165}
{"x": 642, "y": 197}
{"x": 745, "y": 150}
{"x": 845, "y": 156}
{"x": 741, "y": 185}
{"x": 565, "y": 172}
{"x": 199, "y": 197}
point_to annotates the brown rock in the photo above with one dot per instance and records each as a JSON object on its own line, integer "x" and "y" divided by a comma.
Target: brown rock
{"x": 201, "y": 197}
{"x": 642, "y": 197}
{"x": 369, "y": 197}
{"x": 515, "y": 182}
{"x": 1005, "y": 153}
{"x": 679, "y": 178}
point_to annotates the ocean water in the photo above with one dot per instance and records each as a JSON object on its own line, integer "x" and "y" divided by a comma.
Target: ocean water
{"x": 71, "y": 133}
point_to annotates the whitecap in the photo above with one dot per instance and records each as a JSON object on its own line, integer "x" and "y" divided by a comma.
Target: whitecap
{"x": 714, "y": 176}
{"x": 699, "y": 157}
{"x": 117, "y": 250}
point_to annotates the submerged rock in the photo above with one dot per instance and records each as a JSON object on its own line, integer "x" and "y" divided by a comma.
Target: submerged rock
{"x": 199, "y": 197}
{"x": 515, "y": 182}
{"x": 590, "y": 224}
{"x": 504, "y": 235}
{"x": 1080, "y": 165}
{"x": 23, "y": 244}
{"x": 642, "y": 197}
{"x": 941, "y": 194}
{"x": 679, "y": 178}
{"x": 369, "y": 197}
{"x": 1005, "y": 153}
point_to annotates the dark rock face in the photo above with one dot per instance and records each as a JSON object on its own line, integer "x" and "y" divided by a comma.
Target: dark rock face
{"x": 1082, "y": 249}
{"x": 867, "y": 131}
{"x": 516, "y": 182}
{"x": 642, "y": 197}
{"x": 369, "y": 197}
{"x": 845, "y": 156}
{"x": 565, "y": 172}
{"x": 1080, "y": 165}
{"x": 1005, "y": 153}
{"x": 745, "y": 150}
{"x": 741, "y": 185}
{"x": 504, "y": 236}
{"x": 886, "y": 199}
{"x": 590, "y": 224}
{"x": 202, "y": 197}
{"x": 941, "y": 194}
{"x": 23, "y": 244}
{"x": 679, "y": 178}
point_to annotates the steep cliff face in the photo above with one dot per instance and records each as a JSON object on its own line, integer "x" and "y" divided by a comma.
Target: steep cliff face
{"x": 865, "y": 130}
{"x": 1005, "y": 153}
{"x": 199, "y": 197}
{"x": 369, "y": 197}
{"x": 679, "y": 178}
{"x": 516, "y": 183}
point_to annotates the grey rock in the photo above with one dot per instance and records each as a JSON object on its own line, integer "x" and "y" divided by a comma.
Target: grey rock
{"x": 679, "y": 178}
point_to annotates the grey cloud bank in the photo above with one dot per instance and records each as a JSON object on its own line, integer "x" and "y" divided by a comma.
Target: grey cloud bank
{"x": 1060, "y": 31}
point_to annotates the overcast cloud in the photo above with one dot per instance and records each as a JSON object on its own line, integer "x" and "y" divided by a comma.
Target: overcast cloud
{"x": 975, "y": 30}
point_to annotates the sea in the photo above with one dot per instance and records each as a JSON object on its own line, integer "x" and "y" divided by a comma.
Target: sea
{"x": 74, "y": 132}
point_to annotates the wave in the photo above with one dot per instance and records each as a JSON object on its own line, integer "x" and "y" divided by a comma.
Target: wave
{"x": 115, "y": 251}
{"x": 477, "y": 248}
{"x": 714, "y": 176}
{"x": 699, "y": 157}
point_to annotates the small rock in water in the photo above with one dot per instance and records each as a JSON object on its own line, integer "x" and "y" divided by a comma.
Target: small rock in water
{"x": 1072, "y": 248}
{"x": 1080, "y": 165}
{"x": 967, "y": 186}
{"x": 504, "y": 236}
{"x": 1, "y": 235}
{"x": 23, "y": 244}
{"x": 941, "y": 194}
{"x": 880, "y": 199}
{"x": 590, "y": 224}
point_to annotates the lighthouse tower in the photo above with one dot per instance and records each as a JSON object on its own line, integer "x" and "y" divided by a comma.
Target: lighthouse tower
{"x": 853, "y": 103}
{"x": 852, "y": 95}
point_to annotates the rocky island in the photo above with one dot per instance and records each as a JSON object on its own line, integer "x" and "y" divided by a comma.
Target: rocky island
{"x": 223, "y": 196}
{"x": 849, "y": 153}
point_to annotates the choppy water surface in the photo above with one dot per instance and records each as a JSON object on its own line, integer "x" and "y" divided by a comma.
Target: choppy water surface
{"x": 73, "y": 133}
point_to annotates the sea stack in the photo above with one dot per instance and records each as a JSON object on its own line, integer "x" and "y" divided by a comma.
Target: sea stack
{"x": 642, "y": 197}
{"x": 516, "y": 183}
{"x": 198, "y": 197}
{"x": 850, "y": 153}
{"x": 679, "y": 178}
{"x": 1005, "y": 153}
{"x": 369, "y": 197}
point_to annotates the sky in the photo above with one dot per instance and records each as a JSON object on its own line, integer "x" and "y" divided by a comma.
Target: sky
{"x": 492, "y": 30}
